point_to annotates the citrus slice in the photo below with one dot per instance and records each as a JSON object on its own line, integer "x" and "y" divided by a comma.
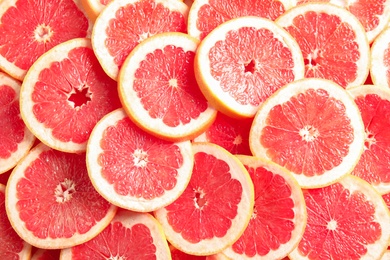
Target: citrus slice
{"x": 206, "y": 15}
{"x": 65, "y": 93}
{"x": 243, "y": 61}
{"x": 216, "y": 206}
{"x": 313, "y": 128}
{"x": 374, "y": 15}
{"x": 380, "y": 59}
{"x": 230, "y": 133}
{"x": 333, "y": 42}
{"x": 135, "y": 170}
{"x": 11, "y": 245}
{"x": 94, "y": 7}
{"x": 46, "y": 254}
{"x": 279, "y": 215}
{"x": 15, "y": 138}
{"x": 130, "y": 235}
{"x": 51, "y": 202}
{"x": 374, "y": 106}
{"x": 29, "y": 29}
{"x": 176, "y": 254}
{"x": 345, "y": 220}
{"x": 159, "y": 91}
{"x": 123, "y": 24}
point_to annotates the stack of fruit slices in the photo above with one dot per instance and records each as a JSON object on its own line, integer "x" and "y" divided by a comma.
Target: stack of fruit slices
{"x": 163, "y": 129}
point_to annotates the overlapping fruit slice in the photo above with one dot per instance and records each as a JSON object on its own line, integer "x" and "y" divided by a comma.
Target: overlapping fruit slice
{"x": 50, "y": 200}
{"x": 135, "y": 170}
{"x": 380, "y": 59}
{"x": 313, "y": 128}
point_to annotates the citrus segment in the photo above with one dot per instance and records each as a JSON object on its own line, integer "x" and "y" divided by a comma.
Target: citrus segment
{"x": 15, "y": 138}
{"x": 123, "y": 24}
{"x": 279, "y": 215}
{"x": 29, "y": 29}
{"x": 206, "y": 15}
{"x": 374, "y": 105}
{"x": 380, "y": 59}
{"x": 159, "y": 91}
{"x": 216, "y": 206}
{"x": 133, "y": 169}
{"x": 332, "y": 40}
{"x": 130, "y": 235}
{"x": 11, "y": 245}
{"x": 313, "y": 128}
{"x": 346, "y": 220}
{"x": 51, "y": 202}
{"x": 243, "y": 61}
{"x": 64, "y": 94}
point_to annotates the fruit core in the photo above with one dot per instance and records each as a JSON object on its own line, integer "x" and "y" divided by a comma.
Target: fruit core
{"x": 369, "y": 140}
{"x": 64, "y": 191}
{"x": 309, "y": 133}
{"x": 140, "y": 158}
{"x": 200, "y": 199}
{"x": 43, "y": 33}
{"x": 80, "y": 97}
{"x": 250, "y": 67}
{"x": 311, "y": 59}
{"x": 173, "y": 83}
{"x": 332, "y": 225}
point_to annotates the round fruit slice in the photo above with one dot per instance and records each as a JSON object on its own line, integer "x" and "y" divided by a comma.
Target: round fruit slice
{"x": 11, "y": 245}
{"x": 64, "y": 95}
{"x": 345, "y": 220}
{"x": 374, "y": 15}
{"x": 51, "y": 202}
{"x": 380, "y": 59}
{"x": 123, "y": 24}
{"x": 333, "y": 42}
{"x": 313, "y": 128}
{"x": 230, "y": 133}
{"x": 374, "y": 106}
{"x": 243, "y": 61}
{"x": 279, "y": 215}
{"x": 130, "y": 235}
{"x": 28, "y": 29}
{"x": 216, "y": 206}
{"x": 159, "y": 91}
{"x": 206, "y": 15}
{"x": 133, "y": 169}
{"x": 15, "y": 138}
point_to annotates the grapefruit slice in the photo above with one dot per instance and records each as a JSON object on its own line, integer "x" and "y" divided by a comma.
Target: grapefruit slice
{"x": 216, "y": 206}
{"x": 123, "y": 24}
{"x": 15, "y": 138}
{"x": 333, "y": 42}
{"x": 206, "y": 15}
{"x": 64, "y": 94}
{"x": 374, "y": 106}
{"x": 313, "y": 128}
{"x": 130, "y": 235}
{"x": 229, "y": 133}
{"x": 374, "y": 15}
{"x": 279, "y": 215}
{"x": 135, "y": 170}
{"x": 243, "y": 61}
{"x": 380, "y": 59}
{"x": 29, "y": 29}
{"x": 345, "y": 220}
{"x": 159, "y": 91}
{"x": 11, "y": 245}
{"x": 51, "y": 202}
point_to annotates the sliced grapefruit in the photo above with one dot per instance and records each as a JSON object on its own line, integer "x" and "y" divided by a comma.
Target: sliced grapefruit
{"x": 30, "y": 28}
{"x": 11, "y": 245}
{"x": 51, "y": 202}
{"x": 159, "y": 91}
{"x": 123, "y": 24}
{"x": 216, "y": 206}
{"x": 243, "y": 61}
{"x": 380, "y": 59}
{"x": 65, "y": 93}
{"x": 333, "y": 42}
{"x": 279, "y": 215}
{"x": 374, "y": 165}
{"x": 206, "y": 15}
{"x": 345, "y": 220}
{"x": 313, "y": 128}
{"x": 15, "y": 138}
{"x": 135, "y": 170}
{"x": 130, "y": 235}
